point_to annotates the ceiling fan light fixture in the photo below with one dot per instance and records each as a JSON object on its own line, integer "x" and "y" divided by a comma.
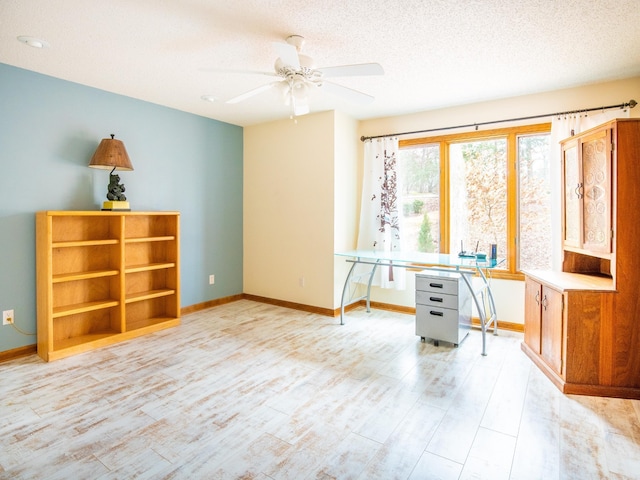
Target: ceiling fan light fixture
{"x": 284, "y": 87}
{"x": 299, "y": 88}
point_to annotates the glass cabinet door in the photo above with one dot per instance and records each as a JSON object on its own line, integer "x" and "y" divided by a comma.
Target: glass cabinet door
{"x": 572, "y": 196}
{"x": 596, "y": 168}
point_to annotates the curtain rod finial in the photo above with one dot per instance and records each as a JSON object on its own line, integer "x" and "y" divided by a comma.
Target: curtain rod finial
{"x": 632, "y": 103}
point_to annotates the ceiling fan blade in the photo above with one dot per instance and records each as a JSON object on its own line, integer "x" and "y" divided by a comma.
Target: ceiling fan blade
{"x": 352, "y": 70}
{"x": 288, "y": 54}
{"x": 347, "y": 93}
{"x": 253, "y": 92}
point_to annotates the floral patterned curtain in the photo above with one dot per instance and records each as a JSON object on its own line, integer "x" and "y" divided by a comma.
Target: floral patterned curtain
{"x": 379, "y": 215}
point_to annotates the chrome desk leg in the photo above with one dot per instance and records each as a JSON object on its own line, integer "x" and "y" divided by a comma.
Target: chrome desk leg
{"x": 481, "y": 313}
{"x": 346, "y": 288}
{"x": 344, "y": 292}
{"x": 373, "y": 271}
{"x": 492, "y": 304}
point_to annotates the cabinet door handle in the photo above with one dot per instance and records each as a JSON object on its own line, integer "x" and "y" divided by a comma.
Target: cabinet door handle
{"x": 545, "y": 302}
{"x": 436, "y": 314}
{"x": 436, "y": 285}
{"x": 579, "y": 190}
{"x": 538, "y": 298}
{"x": 436, "y": 299}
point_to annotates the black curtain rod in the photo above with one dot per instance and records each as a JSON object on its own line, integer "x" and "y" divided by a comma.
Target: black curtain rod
{"x": 630, "y": 103}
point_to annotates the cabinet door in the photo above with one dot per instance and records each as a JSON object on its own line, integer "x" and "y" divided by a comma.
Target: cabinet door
{"x": 572, "y": 195}
{"x": 551, "y": 328}
{"x": 532, "y": 314}
{"x": 596, "y": 174}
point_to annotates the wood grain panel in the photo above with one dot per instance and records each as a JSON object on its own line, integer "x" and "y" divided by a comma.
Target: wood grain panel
{"x": 551, "y": 331}
{"x": 532, "y": 314}
{"x": 626, "y": 314}
{"x": 583, "y": 337}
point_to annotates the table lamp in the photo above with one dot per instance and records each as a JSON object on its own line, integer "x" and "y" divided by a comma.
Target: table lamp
{"x": 111, "y": 154}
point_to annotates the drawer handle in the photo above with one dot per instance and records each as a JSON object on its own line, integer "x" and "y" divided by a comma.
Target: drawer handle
{"x": 436, "y": 299}
{"x": 436, "y": 285}
{"x": 437, "y": 314}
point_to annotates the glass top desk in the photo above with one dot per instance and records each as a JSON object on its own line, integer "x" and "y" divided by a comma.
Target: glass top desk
{"x": 467, "y": 267}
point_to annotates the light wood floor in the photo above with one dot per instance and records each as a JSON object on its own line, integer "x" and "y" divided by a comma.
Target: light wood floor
{"x": 248, "y": 390}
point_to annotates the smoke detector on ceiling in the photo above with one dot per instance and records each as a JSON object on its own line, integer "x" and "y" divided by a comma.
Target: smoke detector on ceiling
{"x": 33, "y": 41}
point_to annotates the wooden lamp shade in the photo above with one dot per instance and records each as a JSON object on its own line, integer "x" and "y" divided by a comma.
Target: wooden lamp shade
{"x": 111, "y": 154}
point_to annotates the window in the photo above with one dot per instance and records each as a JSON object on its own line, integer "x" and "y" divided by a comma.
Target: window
{"x": 478, "y": 182}
{"x": 419, "y": 192}
{"x": 476, "y": 189}
{"x": 534, "y": 202}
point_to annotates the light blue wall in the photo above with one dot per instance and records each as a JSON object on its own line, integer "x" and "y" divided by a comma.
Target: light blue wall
{"x": 49, "y": 129}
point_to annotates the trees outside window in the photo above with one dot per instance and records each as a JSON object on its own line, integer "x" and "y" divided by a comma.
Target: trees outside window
{"x": 478, "y": 189}
{"x": 419, "y": 171}
{"x": 478, "y": 182}
{"x": 534, "y": 202}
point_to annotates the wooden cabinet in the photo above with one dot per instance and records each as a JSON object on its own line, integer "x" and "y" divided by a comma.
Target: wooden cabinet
{"x": 544, "y": 322}
{"x": 552, "y": 305}
{"x": 104, "y": 277}
{"x": 562, "y": 335}
{"x": 587, "y": 192}
{"x": 588, "y": 342}
{"x": 532, "y": 315}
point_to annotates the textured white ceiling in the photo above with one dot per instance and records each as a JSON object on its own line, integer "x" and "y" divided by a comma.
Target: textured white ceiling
{"x": 436, "y": 53}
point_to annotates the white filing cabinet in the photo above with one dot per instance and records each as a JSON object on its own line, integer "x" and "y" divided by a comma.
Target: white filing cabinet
{"x": 443, "y": 307}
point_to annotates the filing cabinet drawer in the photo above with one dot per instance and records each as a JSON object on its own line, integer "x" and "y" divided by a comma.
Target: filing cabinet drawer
{"x": 436, "y": 299}
{"x": 437, "y": 323}
{"x": 440, "y": 284}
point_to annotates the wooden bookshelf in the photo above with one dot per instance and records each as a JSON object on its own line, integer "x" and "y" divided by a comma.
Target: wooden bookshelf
{"x": 104, "y": 277}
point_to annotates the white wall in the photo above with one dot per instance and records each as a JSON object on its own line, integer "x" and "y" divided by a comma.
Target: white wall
{"x": 289, "y": 209}
{"x": 348, "y": 174}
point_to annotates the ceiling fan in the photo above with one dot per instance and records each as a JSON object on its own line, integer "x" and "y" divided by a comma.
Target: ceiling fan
{"x": 299, "y": 76}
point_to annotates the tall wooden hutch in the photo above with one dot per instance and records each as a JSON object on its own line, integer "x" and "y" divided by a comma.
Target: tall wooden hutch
{"x": 582, "y": 324}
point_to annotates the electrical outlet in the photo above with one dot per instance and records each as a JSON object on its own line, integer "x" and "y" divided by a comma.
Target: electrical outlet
{"x": 212, "y": 279}
{"x": 7, "y": 317}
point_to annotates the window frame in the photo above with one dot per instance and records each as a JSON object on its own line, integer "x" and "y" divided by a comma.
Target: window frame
{"x": 510, "y": 134}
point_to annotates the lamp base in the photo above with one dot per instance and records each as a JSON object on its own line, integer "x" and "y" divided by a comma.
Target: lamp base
{"x": 116, "y": 205}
